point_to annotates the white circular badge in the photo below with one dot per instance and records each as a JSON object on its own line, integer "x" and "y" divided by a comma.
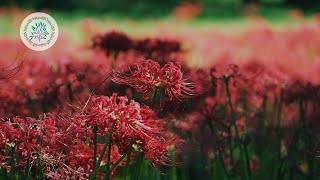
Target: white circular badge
{"x": 39, "y": 31}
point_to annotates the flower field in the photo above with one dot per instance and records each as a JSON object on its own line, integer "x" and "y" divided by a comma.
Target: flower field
{"x": 168, "y": 101}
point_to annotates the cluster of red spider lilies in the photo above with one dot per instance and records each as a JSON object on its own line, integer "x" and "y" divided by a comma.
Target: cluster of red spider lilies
{"x": 107, "y": 110}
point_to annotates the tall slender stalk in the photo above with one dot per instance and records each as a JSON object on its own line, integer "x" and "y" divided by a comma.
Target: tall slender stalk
{"x": 27, "y": 171}
{"x": 139, "y": 164}
{"x": 279, "y": 112}
{"x": 128, "y": 161}
{"x": 117, "y": 163}
{"x": 154, "y": 98}
{"x": 108, "y": 161}
{"x": 274, "y": 111}
{"x": 243, "y": 148}
{"x": 141, "y": 155}
{"x": 94, "y": 174}
{"x": 110, "y": 169}
{"x": 174, "y": 168}
{"x": 115, "y": 57}
{"x": 95, "y": 129}
{"x": 41, "y": 176}
{"x": 302, "y": 111}
{"x": 12, "y": 163}
{"x": 278, "y": 129}
{"x": 223, "y": 165}
{"x": 70, "y": 92}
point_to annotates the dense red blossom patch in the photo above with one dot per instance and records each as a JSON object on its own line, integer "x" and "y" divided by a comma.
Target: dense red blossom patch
{"x": 62, "y": 109}
{"x": 65, "y": 142}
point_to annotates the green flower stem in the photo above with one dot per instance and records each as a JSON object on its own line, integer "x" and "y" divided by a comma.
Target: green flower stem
{"x": 279, "y": 112}
{"x": 243, "y": 148}
{"x": 115, "y": 165}
{"x": 109, "y": 161}
{"x": 41, "y": 176}
{"x": 281, "y": 170}
{"x": 154, "y": 98}
{"x": 174, "y": 168}
{"x": 278, "y": 129}
{"x": 115, "y": 57}
{"x": 302, "y": 112}
{"x": 95, "y": 129}
{"x": 149, "y": 54}
{"x": 26, "y": 174}
{"x": 94, "y": 174}
{"x": 128, "y": 161}
{"x": 70, "y": 92}
{"x": 223, "y": 165}
{"x": 139, "y": 164}
{"x": 12, "y": 164}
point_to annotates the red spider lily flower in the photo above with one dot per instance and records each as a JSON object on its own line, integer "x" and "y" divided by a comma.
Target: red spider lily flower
{"x": 174, "y": 85}
{"x": 20, "y": 136}
{"x": 156, "y": 150}
{"x": 64, "y": 142}
{"x": 8, "y": 134}
{"x": 130, "y": 120}
{"x": 133, "y": 124}
{"x": 113, "y": 42}
{"x": 27, "y": 143}
{"x": 67, "y": 150}
{"x": 146, "y": 76}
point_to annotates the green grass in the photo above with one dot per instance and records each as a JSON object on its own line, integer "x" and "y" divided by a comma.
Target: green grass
{"x": 70, "y": 23}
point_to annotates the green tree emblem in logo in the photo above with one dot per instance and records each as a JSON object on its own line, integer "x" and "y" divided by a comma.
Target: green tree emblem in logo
{"x": 39, "y": 31}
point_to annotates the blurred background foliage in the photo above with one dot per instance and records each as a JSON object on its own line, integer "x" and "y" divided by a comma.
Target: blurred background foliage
{"x": 158, "y": 8}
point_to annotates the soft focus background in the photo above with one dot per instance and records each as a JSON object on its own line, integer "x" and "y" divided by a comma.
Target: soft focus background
{"x": 210, "y": 31}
